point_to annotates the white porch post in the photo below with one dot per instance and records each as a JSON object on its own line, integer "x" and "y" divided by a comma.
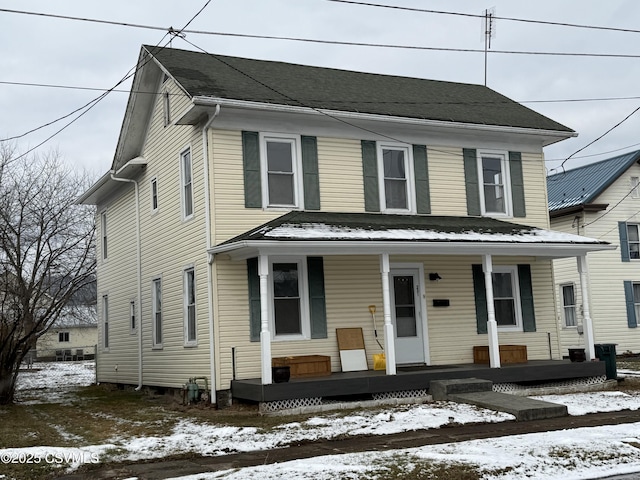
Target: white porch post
{"x": 265, "y": 335}
{"x": 389, "y": 344}
{"x": 492, "y": 326}
{"x": 587, "y": 322}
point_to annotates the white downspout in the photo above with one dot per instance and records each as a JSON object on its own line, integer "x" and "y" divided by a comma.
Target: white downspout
{"x": 139, "y": 267}
{"x": 207, "y": 209}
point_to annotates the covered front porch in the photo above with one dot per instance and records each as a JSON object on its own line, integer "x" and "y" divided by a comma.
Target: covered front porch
{"x": 465, "y": 247}
{"x": 375, "y": 382}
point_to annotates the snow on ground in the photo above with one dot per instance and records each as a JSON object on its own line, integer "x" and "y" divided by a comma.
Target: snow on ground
{"x": 577, "y": 453}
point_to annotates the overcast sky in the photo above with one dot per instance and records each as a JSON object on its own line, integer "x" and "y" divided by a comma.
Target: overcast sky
{"x": 45, "y": 50}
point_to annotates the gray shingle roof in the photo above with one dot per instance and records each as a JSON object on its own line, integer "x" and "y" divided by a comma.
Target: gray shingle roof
{"x": 202, "y": 74}
{"x": 581, "y": 186}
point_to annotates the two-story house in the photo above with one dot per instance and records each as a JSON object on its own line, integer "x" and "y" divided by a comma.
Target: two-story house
{"x": 255, "y": 207}
{"x": 601, "y": 200}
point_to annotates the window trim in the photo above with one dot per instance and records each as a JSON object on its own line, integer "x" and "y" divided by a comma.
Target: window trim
{"x": 185, "y": 284}
{"x": 634, "y": 183}
{"x": 183, "y": 184}
{"x": 103, "y": 235}
{"x": 63, "y": 337}
{"x": 153, "y": 188}
{"x": 409, "y": 176}
{"x": 105, "y": 323}
{"x": 303, "y": 292}
{"x": 629, "y": 242}
{"x": 506, "y": 173}
{"x": 154, "y": 321}
{"x": 515, "y": 285}
{"x": 565, "y": 307}
{"x": 296, "y": 165}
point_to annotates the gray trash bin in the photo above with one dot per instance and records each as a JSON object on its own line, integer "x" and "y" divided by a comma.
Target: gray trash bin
{"x": 606, "y": 352}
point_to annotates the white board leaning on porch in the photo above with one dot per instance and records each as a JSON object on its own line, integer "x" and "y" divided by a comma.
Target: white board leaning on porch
{"x": 351, "y": 345}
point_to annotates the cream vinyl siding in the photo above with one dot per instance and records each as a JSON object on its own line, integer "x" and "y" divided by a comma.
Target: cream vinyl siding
{"x": 535, "y": 191}
{"x": 341, "y": 177}
{"x": 169, "y": 245}
{"x": 123, "y": 350}
{"x": 352, "y": 283}
{"x": 446, "y": 181}
{"x": 607, "y": 272}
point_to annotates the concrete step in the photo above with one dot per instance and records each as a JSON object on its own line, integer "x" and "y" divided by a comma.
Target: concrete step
{"x": 441, "y": 389}
{"x": 523, "y": 408}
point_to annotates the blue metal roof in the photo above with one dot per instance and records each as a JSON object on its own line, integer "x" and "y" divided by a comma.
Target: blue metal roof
{"x": 580, "y": 186}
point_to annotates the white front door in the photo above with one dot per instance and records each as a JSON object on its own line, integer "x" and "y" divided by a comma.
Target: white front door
{"x": 406, "y": 313}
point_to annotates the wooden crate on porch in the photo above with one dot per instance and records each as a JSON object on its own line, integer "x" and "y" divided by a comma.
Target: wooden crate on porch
{"x": 508, "y": 354}
{"x": 305, "y": 365}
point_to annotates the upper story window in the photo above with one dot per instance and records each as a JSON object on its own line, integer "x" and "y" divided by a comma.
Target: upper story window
{"x": 63, "y": 336}
{"x": 633, "y": 238}
{"x": 506, "y": 298}
{"x": 395, "y": 168}
{"x": 154, "y": 194}
{"x": 569, "y": 305}
{"x": 187, "y": 183}
{"x": 493, "y": 173}
{"x": 635, "y": 187}
{"x": 281, "y": 178}
{"x": 103, "y": 231}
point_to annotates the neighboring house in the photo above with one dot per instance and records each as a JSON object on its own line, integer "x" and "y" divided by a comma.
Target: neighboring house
{"x": 600, "y": 200}
{"x": 68, "y": 342}
{"x": 253, "y": 207}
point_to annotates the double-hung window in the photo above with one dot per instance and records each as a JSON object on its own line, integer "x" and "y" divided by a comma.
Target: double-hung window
{"x": 635, "y": 187}
{"x": 63, "y": 336}
{"x": 281, "y": 177}
{"x": 156, "y": 298}
{"x": 189, "y": 307}
{"x": 105, "y": 322}
{"x": 187, "y": 183}
{"x": 569, "y": 305}
{"x": 495, "y": 192}
{"x": 289, "y": 304}
{"x": 396, "y": 178}
{"x": 633, "y": 237}
{"x": 103, "y": 231}
{"x": 506, "y": 298}
{"x": 636, "y": 299}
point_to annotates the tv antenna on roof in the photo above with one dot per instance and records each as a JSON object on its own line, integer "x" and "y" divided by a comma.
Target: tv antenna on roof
{"x": 488, "y": 32}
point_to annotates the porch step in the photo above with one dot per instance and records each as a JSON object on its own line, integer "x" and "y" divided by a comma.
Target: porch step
{"x": 479, "y": 392}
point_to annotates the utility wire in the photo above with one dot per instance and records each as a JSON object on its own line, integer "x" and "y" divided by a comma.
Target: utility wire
{"x": 89, "y": 105}
{"x": 511, "y": 19}
{"x": 330, "y": 42}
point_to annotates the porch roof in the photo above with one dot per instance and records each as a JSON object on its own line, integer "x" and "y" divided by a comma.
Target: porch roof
{"x": 332, "y": 233}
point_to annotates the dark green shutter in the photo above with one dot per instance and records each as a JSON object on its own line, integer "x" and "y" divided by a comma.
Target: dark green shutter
{"x": 317, "y": 308}
{"x": 310, "y": 176}
{"x": 526, "y": 298}
{"x": 470, "y": 159}
{"x": 482, "y": 315}
{"x": 632, "y": 321}
{"x": 517, "y": 184}
{"x": 254, "y": 300}
{"x": 624, "y": 241}
{"x": 421, "y": 172}
{"x": 251, "y": 164}
{"x": 370, "y": 171}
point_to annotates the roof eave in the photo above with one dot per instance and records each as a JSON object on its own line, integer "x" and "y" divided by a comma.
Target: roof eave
{"x": 244, "y": 249}
{"x": 202, "y": 104}
{"x": 590, "y": 207}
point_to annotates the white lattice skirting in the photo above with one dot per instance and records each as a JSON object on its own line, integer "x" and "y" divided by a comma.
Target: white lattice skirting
{"x": 561, "y": 386}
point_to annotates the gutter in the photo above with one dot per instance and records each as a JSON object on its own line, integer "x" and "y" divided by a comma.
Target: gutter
{"x": 207, "y": 207}
{"x": 139, "y": 266}
{"x": 215, "y": 101}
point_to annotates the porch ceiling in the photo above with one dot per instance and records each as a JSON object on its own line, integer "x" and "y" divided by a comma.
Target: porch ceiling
{"x": 328, "y": 233}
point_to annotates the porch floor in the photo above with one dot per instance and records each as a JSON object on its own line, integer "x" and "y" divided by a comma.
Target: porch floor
{"x": 341, "y": 384}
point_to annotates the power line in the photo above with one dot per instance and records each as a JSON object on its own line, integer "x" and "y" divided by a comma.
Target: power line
{"x": 511, "y": 19}
{"x": 329, "y": 42}
{"x": 90, "y": 105}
